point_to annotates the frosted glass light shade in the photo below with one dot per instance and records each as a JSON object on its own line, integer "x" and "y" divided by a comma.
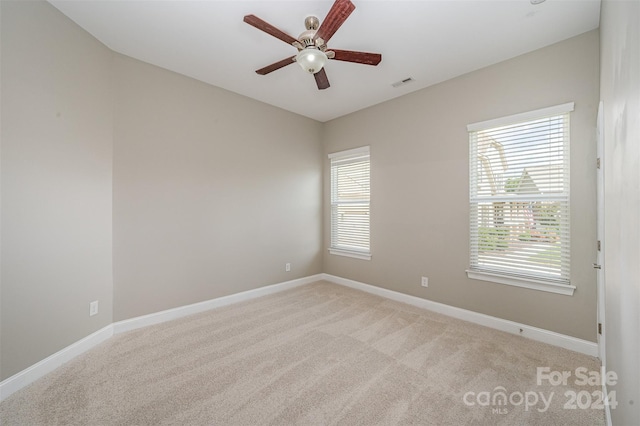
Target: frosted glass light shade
{"x": 311, "y": 59}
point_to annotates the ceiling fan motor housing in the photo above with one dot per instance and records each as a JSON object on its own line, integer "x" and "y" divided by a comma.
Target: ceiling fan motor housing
{"x": 306, "y": 38}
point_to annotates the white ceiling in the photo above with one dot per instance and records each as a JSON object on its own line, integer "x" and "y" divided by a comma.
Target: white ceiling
{"x": 429, "y": 40}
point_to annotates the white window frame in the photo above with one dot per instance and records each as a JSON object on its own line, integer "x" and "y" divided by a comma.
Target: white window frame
{"x": 336, "y": 159}
{"x": 476, "y": 272}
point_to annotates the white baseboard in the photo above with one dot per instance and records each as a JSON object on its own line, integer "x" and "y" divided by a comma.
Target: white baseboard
{"x": 607, "y": 407}
{"x": 47, "y": 365}
{"x": 538, "y": 334}
{"x": 182, "y": 311}
{"x": 605, "y": 395}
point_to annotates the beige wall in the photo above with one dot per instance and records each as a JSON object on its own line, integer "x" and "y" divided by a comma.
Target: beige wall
{"x": 206, "y": 193}
{"x": 419, "y": 181}
{"x": 1, "y": 376}
{"x": 213, "y": 192}
{"x": 56, "y": 183}
{"x": 620, "y": 92}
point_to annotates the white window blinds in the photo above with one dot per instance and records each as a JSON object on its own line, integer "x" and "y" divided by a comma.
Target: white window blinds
{"x": 519, "y": 196}
{"x": 350, "y": 194}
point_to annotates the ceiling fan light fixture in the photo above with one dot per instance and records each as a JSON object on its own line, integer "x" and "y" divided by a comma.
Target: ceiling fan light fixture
{"x": 311, "y": 59}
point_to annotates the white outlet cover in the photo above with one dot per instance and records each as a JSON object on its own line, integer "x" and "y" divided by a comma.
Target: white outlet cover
{"x": 93, "y": 308}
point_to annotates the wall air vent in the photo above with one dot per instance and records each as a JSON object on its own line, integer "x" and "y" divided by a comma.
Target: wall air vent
{"x": 403, "y": 82}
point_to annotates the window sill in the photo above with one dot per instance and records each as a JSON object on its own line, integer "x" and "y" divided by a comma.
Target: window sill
{"x": 348, "y": 253}
{"x": 566, "y": 290}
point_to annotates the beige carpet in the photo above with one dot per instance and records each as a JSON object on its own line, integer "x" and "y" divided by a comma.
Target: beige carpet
{"x": 320, "y": 354}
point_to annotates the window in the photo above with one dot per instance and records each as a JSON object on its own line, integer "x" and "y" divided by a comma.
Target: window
{"x": 519, "y": 200}
{"x": 350, "y": 189}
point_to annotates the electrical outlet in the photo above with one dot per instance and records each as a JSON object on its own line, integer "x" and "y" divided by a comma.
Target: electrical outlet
{"x": 287, "y": 267}
{"x": 425, "y": 282}
{"x": 93, "y": 308}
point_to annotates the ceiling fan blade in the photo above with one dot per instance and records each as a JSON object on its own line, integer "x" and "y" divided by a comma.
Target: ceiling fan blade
{"x": 268, "y": 28}
{"x": 321, "y": 79}
{"x": 338, "y": 13}
{"x": 275, "y": 66}
{"x": 357, "y": 57}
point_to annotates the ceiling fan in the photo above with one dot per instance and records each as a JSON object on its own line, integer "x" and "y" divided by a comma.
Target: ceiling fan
{"x": 312, "y": 43}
